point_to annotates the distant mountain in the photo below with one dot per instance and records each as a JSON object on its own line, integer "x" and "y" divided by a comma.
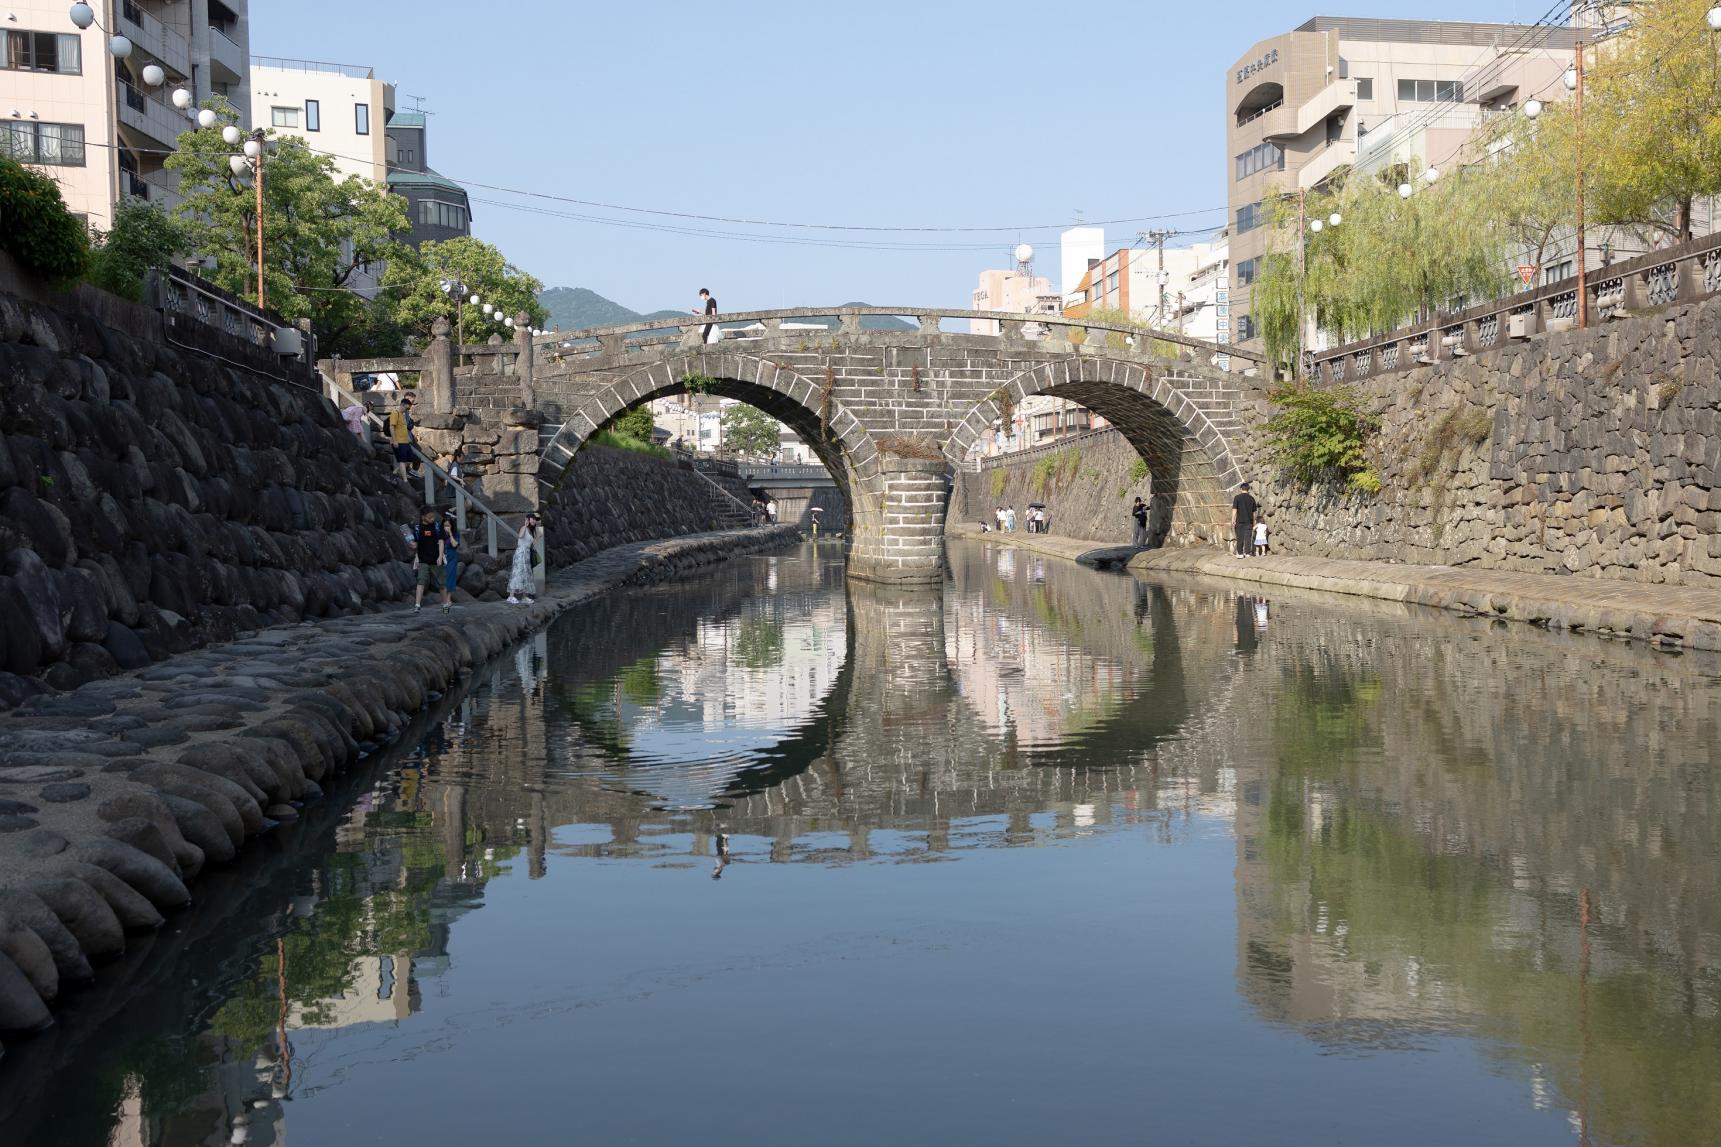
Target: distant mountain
{"x": 578, "y": 309}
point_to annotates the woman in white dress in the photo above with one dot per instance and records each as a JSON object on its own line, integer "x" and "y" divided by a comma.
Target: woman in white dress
{"x": 521, "y": 584}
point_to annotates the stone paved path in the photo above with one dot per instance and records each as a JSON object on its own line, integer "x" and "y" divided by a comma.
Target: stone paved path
{"x": 113, "y": 796}
{"x": 1667, "y": 614}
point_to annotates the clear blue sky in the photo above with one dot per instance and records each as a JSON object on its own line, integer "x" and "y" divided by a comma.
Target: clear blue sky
{"x": 936, "y": 113}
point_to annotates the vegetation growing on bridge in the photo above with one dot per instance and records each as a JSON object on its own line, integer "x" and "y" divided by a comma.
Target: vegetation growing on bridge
{"x": 1321, "y": 436}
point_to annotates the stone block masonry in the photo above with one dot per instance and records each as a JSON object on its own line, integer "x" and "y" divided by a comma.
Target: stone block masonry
{"x": 115, "y": 797}
{"x": 153, "y": 498}
{"x": 1594, "y": 453}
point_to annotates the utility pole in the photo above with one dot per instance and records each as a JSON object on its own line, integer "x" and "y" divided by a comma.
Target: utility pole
{"x": 257, "y": 136}
{"x": 1158, "y": 238}
{"x": 1578, "y": 108}
{"x": 1302, "y": 269}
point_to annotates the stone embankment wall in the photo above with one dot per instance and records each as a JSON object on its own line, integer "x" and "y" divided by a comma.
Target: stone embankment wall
{"x": 113, "y": 798}
{"x": 153, "y": 498}
{"x": 1591, "y": 452}
{"x": 1088, "y": 482}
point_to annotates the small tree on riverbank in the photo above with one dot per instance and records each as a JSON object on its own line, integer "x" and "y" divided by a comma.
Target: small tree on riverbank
{"x": 1320, "y": 436}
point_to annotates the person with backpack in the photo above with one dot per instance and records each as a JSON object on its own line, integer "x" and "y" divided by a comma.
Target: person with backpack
{"x": 1139, "y": 513}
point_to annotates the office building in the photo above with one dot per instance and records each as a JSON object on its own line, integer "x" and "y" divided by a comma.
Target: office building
{"x": 89, "y": 120}
{"x": 346, "y": 113}
{"x": 1018, "y": 290}
{"x": 1339, "y": 91}
{"x": 1078, "y": 249}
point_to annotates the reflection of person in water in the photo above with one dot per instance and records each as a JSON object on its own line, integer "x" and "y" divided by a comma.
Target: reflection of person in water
{"x": 1245, "y": 624}
{"x": 722, "y": 856}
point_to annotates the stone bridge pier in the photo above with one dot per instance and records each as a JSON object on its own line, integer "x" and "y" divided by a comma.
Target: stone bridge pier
{"x": 891, "y": 403}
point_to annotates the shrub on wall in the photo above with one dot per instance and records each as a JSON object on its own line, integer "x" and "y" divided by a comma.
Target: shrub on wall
{"x": 36, "y": 229}
{"x": 1321, "y": 435}
{"x": 143, "y": 238}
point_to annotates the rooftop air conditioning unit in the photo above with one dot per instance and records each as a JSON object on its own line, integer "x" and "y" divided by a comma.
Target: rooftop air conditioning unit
{"x": 1518, "y": 327}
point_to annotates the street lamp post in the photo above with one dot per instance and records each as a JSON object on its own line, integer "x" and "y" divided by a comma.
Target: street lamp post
{"x": 254, "y": 151}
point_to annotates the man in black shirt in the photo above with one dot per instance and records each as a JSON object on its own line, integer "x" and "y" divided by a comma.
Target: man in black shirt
{"x": 427, "y": 538}
{"x": 1139, "y": 513}
{"x": 708, "y": 306}
{"x": 1243, "y": 509}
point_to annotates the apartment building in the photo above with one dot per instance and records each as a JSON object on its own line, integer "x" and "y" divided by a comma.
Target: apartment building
{"x": 345, "y": 112}
{"x": 89, "y": 119}
{"x": 1010, "y": 290}
{"x": 1340, "y": 91}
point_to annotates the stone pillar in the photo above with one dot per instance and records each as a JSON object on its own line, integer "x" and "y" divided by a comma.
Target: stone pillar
{"x": 899, "y": 530}
{"x": 523, "y": 364}
{"x": 441, "y": 369}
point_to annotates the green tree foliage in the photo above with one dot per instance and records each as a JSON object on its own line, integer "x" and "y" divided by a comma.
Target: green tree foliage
{"x": 412, "y": 287}
{"x": 747, "y": 430}
{"x": 1321, "y": 436}
{"x": 143, "y": 238}
{"x": 36, "y": 229}
{"x": 1652, "y": 118}
{"x": 636, "y": 423}
{"x": 319, "y": 229}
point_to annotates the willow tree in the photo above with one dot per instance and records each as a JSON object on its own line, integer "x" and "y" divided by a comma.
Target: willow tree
{"x": 1526, "y": 178}
{"x": 1652, "y": 119}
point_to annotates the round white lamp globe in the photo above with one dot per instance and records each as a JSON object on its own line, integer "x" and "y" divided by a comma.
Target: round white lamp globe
{"x": 473, "y": 300}
{"x": 206, "y": 118}
{"x": 1714, "y": 18}
{"x": 236, "y": 164}
{"x": 253, "y": 148}
{"x": 1315, "y": 226}
{"x": 119, "y": 47}
{"x": 1431, "y": 175}
{"x": 508, "y": 322}
{"x": 1404, "y": 190}
{"x": 488, "y": 307}
{"x": 181, "y": 98}
{"x": 1335, "y": 219}
{"x": 153, "y": 75}
{"x": 1533, "y": 109}
{"x": 1024, "y": 252}
{"x": 231, "y": 135}
{"x": 83, "y": 15}
{"x": 1571, "y": 79}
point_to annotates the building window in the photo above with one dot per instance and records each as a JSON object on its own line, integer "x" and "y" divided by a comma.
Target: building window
{"x": 1246, "y": 271}
{"x": 313, "y": 115}
{"x": 50, "y": 144}
{"x": 434, "y": 213}
{"x": 1111, "y": 281}
{"x": 361, "y": 118}
{"x": 284, "y": 117}
{"x": 1245, "y": 327}
{"x": 1429, "y": 91}
{"x": 1365, "y": 87}
{"x": 1248, "y": 217}
{"x": 1554, "y": 272}
{"x": 1344, "y": 68}
{"x": 44, "y": 52}
{"x": 1261, "y": 157}
{"x": 403, "y": 155}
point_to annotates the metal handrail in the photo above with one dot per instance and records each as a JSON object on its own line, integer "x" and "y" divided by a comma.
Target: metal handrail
{"x": 462, "y": 495}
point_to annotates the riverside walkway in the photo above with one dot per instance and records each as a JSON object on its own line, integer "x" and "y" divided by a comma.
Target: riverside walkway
{"x": 1670, "y": 615}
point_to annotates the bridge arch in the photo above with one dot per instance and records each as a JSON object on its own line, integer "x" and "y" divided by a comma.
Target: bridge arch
{"x": 821, "y": 421}
{"x": 1157, "y": 409}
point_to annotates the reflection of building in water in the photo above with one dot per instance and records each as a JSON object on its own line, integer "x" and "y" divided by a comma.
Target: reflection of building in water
{"x": 1421, "y": 850}
{"x": 379, "y": 989}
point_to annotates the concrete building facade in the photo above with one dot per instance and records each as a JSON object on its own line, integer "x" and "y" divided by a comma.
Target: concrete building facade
{"x": 1010, "y": 290}
{"x": 339, "y": 110}
{"x": 1340, "y": 91}
{"x": 89, "y": 120}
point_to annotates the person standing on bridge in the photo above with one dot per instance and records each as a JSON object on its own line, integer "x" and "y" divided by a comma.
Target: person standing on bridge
{"x": 1244, "y": 509}
{"x": 1139, "y": 513}
{"x": 707, "y": 306}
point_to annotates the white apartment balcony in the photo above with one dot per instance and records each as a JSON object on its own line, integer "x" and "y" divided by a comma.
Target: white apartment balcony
{"x": 1286, "y": 122}
{"x": 227, "y": 61}
{"x": 146, "y": 32}
{"x": 149, "y": 117}
{"x": 1336, "y": 155}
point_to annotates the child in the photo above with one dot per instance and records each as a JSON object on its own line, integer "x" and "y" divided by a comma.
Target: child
{"x": 1261, "y": 537}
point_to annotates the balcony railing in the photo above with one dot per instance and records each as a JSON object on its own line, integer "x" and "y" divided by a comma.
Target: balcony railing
{"x": 223, "y": 51}
{"x": 154, "y": 118}
{"x": 284, "y": 64}
{"x": 155, "y": 38}
{"x": 1633, "y": 287}
{"x": 1261, "y": 111}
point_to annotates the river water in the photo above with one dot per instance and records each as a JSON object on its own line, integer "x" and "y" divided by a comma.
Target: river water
{"x": 1053, "y": 856}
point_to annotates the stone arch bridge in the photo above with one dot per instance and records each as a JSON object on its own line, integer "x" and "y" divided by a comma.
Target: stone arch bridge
{"x": 889, "y": 408}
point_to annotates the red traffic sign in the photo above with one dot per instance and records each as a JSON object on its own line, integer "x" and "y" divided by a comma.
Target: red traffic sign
{"x": 1526, "y": 272}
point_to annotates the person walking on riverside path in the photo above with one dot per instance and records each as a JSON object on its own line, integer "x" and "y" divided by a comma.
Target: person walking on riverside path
{"x": 428, "y": 540}
{"x": 401, "y": 436}
{"x": 521, "y": 584}
{"x": 1139, "y": 513}
{"x": 450, "y": 558}
{"x": 707, "y": 306}
{"x": 1243, "y": 511}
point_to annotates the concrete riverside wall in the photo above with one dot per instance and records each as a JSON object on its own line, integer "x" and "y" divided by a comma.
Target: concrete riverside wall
{"x": 114, "y": 797}
{"x": 153, "y": 498}
{"x": 1592, "y": 452}
{"x": 1086, "y": 481}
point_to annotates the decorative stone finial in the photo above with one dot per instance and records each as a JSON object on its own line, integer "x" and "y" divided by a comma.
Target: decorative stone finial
{"x": 439, "y": 328}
